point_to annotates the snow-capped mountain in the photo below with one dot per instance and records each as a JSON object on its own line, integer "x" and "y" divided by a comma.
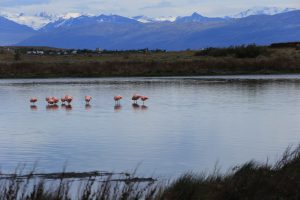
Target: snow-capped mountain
{"x": 37, "y": 20}
{"x": 115, "y": 32}
{"x": 262, "y": 11}
{"x": 34, "y": 21}
{"x": 41, "y": 19}
{"x": 76, "y": 30}
{"x": 85, "y": 20}
{"x": 145, "y": 19}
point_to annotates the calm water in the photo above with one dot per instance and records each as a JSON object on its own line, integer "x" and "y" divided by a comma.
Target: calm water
{"x": 188, "y": 123}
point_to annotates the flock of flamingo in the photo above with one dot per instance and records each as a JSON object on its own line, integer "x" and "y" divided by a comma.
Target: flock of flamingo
{"x": 68, "y": 99}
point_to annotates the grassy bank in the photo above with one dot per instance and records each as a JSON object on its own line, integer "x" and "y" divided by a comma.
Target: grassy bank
{"x": 249, "y": 181}
{"x": 226, "y": 61}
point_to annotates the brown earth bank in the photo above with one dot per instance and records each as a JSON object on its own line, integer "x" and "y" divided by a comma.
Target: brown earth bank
{"x": 18, "y": 62}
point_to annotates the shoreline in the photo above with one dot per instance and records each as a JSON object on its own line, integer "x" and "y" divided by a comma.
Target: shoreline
{"x": 268, "y": 61}
{"x": 276, "y": 76}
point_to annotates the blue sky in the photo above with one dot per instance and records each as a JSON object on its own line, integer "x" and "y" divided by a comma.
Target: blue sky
{"x": 154, "y": 8}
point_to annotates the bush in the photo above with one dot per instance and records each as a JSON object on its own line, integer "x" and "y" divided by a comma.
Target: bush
{"x": 17, "y": 56}
{"x": 249, "y": 51}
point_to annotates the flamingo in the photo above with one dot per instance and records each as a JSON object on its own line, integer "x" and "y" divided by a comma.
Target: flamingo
{"x": 136, "y": 97}
{"x": 68, "y": 98}
{"x": 88, "y": 99}
{"x": 144, "y": 98}
{"x": 63, "y": 100}
{"x": 55, "y": 100}
{"x": 51, "y": 101}
{"x": 117, "y": 99}
{"x": 48, "y": 98}
{"x": 33, "y": 100}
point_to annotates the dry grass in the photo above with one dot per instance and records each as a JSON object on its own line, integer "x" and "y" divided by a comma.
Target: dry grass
{"x": 147, "y": 64}
{"x": 249, "y": 181}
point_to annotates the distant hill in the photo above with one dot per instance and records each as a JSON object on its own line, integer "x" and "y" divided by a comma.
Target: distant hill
{"x": 12, "y": 33}
{"x": 262, "y": 11}
{"x": 195, "y": 17}
{"x": 196, "y": 31}
{"x": 259, "y": 29}
{"x": 262, "y": 26}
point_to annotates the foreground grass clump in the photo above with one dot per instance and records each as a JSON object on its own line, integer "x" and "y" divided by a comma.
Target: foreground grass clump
{"x": 249, "y": 181}
{"x": 81, "y": 186}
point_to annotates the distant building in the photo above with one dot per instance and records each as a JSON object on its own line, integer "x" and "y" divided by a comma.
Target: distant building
{"x": 99, "y": 50}
{"x": 35, "y": 53}
{"x": 40, "y": 52}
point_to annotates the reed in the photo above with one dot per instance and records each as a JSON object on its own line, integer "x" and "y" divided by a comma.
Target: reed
{"x": 251, "y": 180}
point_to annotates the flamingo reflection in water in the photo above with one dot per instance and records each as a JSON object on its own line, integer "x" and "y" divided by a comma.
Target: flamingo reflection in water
{"x": 136, "y": 106}
{"x": 117, "y": 108}
{"x": 66, "y": 107}
{"x": 88, "y": 107}
{"x": 52, "y": 107}
{"x": 143, "y": 107}
{"x": 69, "y": 107}
{"x": 33, "y": 107}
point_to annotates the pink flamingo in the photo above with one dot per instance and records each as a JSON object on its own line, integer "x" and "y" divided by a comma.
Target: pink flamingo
{"x": 55, "y": 100}
{"x": 117, "y": 99}
{"x": 51, "y": 101}
{"x": 63, "y": 100}
{"x": 144, "y": 98}
{"x": 33, "y": 100}
{"x": 88, "y": 99}
{"x": 68, "y": 98}
{"x": 135, "y": 97}
{"x": 48, "y": 98}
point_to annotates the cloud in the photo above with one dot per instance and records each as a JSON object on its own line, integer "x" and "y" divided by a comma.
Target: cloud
{"x": 162, "y": 4}
{"x": 152, "y": 8}
{"x": 13, "y": 3}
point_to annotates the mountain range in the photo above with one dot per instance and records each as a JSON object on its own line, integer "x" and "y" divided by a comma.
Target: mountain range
{"x": 74, "y": 30}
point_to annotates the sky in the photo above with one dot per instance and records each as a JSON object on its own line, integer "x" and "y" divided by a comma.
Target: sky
{"x": 152, "y": 8}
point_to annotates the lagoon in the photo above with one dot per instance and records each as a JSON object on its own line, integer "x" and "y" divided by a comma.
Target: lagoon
{"x": 188, "y": 124}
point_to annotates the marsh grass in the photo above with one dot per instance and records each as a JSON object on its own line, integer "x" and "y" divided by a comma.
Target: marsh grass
{"x": 81, "y": 186}
{"x": 251, "y": 180}
{"x": 246, "y": 60}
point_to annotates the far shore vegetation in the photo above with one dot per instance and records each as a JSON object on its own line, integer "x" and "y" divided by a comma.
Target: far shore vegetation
{"x": 251, "y": 180}
{"x": 46, "y": 62}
